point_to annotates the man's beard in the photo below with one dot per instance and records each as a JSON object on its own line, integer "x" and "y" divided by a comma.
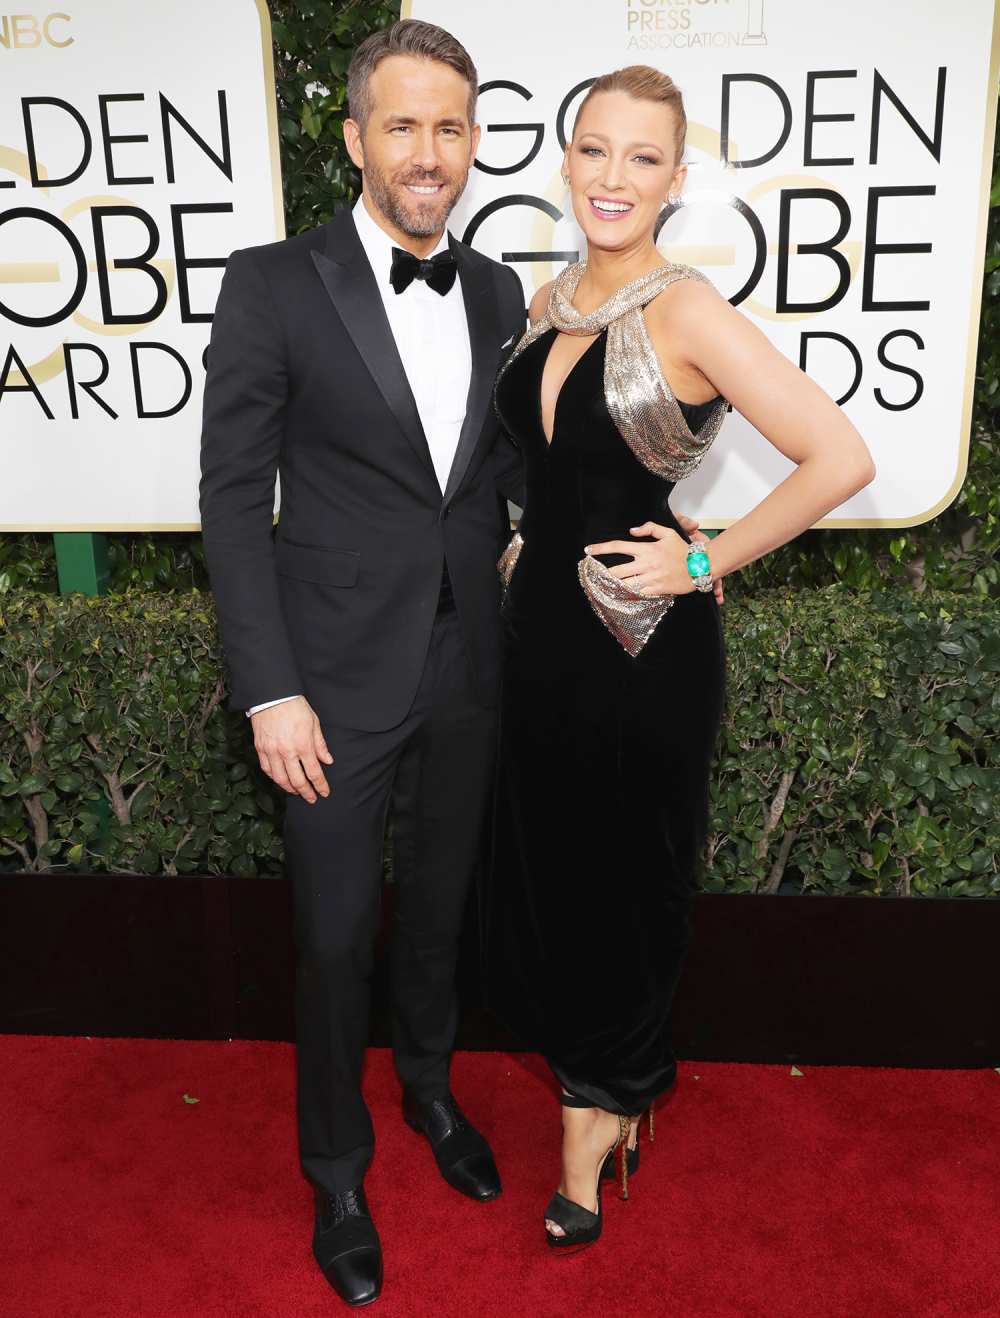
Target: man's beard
{"x": 416, "y": 218}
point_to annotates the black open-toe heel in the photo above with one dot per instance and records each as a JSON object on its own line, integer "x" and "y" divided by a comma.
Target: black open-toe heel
{"x": 580, "y": 1226}
{"x": 632, "y": 1155}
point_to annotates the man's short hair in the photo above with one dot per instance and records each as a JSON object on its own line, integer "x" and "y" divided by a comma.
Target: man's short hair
{"x": 410, "y": 37}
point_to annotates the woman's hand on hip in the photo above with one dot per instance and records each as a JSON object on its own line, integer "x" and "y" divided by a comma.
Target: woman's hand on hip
{"x": 658, "y": 567}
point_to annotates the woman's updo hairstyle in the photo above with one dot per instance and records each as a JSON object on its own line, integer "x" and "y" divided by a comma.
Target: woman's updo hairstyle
{"x": 644, "y": 84}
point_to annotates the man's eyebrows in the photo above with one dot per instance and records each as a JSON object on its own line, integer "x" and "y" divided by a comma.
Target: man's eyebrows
{"x": 407, "y": 120}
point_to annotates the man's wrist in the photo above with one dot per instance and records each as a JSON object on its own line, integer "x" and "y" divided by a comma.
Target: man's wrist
{"x": 256, "y": 709}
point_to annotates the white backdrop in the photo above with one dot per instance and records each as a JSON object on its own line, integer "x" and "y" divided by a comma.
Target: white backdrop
{"x": 93, "y": 471}
{"x": 909, "y": 369}
{"x": 914, "y": 407}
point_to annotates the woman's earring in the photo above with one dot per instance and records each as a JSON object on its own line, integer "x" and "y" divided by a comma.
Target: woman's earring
{"x": 565, "y": 179}
{"x": 672, "y": 199}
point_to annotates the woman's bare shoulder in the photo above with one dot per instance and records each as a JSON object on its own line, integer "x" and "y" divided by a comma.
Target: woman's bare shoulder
{"x": 689, "y": 308}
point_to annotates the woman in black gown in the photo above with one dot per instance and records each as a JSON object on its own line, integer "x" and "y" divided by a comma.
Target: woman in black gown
{"x": 614, "y": 666}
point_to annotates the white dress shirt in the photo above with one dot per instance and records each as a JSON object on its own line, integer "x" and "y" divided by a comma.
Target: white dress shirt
{"x": 432, "y": 338}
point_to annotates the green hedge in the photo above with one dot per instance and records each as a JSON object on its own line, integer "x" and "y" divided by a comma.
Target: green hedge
{"x": 116, "y": 753}
{"x": 313, "y": 43}
{"x": 860, "y": 751}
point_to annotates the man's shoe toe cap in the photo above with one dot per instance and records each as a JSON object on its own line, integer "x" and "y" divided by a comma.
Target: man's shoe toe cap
{"x": 475, "y": 1176}
{"x": 357, "y": 1275}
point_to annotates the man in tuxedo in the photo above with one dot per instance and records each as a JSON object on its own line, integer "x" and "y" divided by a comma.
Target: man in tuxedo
{"x": 357, "y": 362}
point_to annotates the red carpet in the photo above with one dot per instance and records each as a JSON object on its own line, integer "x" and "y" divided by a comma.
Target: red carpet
{"x": 861, "y": 1193}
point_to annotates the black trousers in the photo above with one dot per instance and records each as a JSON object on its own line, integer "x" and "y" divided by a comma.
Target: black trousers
{"x": 435, "y": 769}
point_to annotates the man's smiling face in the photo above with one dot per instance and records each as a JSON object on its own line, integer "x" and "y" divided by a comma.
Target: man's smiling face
{"x": 418, "y": 145}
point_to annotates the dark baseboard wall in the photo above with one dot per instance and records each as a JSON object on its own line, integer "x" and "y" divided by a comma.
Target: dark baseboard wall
{"x": 768, "y": 979}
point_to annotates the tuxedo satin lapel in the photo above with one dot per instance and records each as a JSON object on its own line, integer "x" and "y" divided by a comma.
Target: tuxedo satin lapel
{"x": 350, "y": 284}
{"x": 484, "y": 340}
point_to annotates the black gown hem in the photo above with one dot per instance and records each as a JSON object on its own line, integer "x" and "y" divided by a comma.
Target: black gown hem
{"x": 603, "y": 1098}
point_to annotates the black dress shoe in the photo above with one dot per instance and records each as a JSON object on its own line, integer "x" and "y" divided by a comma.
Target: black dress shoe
{"x": 346, "y": 1246}
{"x": 463, "y": 1156}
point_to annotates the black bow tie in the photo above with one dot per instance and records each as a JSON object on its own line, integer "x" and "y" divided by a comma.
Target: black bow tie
{"x": 438, "y": 273}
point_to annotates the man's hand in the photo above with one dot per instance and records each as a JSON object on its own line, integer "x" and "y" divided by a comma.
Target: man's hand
{"x": 290, "y": 746}
{"x": 690, "y": 527}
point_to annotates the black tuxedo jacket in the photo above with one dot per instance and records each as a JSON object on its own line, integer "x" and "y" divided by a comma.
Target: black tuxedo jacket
{"x": 305, "y": 382}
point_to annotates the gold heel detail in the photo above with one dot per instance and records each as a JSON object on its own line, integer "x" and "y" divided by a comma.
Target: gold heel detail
{"x": 652, "y": 1125}
{"x": 624, "y": 1130}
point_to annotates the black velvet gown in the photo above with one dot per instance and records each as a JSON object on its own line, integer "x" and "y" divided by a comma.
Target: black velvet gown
{"x": 604, "y": 761}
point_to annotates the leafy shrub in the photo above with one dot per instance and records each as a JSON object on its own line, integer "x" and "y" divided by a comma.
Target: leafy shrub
{"x": 859, "y": 753}
{"x": 860, "y": 750}
{"x": 115, "y": 751}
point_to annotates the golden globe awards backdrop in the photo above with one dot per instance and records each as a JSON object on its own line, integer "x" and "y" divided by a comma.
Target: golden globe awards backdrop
{"x": 138, "y": 148}
{"x": 840, "y": 157}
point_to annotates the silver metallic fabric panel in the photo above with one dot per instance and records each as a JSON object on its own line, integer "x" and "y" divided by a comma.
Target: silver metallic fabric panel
{"x": 631, "y": 619}
{"x": 507, "y": 561}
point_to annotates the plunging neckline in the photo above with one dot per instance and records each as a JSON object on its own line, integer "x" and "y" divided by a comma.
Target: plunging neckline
{"x": 562, "y": 388}
{"x": 681, "y": 404}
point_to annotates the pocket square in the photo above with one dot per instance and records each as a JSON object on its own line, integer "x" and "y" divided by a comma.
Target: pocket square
{"x": 508, "y": 343}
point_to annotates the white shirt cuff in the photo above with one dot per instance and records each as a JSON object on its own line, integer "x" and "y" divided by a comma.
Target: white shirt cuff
{"x": 255, "y": 709}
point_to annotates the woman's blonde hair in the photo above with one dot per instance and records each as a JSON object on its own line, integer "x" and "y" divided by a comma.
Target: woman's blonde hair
{"x": 644, "y": 84}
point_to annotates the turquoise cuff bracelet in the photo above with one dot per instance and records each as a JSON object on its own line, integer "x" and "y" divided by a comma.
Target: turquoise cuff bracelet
{"x": 698, "y": 565}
